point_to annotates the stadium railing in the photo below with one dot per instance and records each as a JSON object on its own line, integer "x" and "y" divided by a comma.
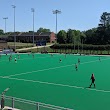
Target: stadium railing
{"x": 24, "y": 104}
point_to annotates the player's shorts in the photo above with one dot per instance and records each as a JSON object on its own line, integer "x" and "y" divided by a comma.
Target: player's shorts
{"x": 93, "y": 81}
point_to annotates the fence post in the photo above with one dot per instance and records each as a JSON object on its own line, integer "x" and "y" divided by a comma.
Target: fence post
{"x": 12, "y": 102}
{"x": 2, "y": 102}
{"x": 37, "y": 106}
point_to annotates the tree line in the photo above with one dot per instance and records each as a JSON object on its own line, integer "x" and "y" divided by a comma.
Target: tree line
{"x": 95, "y": 36}
{"x": 99, "y": 35}
{"x": 38, "y": 31}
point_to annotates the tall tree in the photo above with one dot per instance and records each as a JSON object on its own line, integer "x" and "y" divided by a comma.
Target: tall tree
{"x": 1, "y": 32}
{"x": 70, "y": 36}
{"x": 83, "y": 37}
{"x": 91, "y": 36}
{"x": 77, "y": 36}
{"x": 103, "y": 28}
{"x": 61, "y": 36}
{"x": 105, "y": 19}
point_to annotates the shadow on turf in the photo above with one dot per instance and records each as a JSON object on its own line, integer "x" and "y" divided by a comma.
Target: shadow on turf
{"x": 89, "y": 87}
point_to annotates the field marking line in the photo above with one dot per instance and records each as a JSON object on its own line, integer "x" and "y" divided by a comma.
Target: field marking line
{"x": 38, "y": 70}
{"x": 50, "y": 68}
{"x": 98, "y": 90}
{"x": 26, "y": 80}
{"x": 55, "y": 84}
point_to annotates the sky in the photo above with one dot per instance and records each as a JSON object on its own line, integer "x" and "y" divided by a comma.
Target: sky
{"x": 75, "y": 14}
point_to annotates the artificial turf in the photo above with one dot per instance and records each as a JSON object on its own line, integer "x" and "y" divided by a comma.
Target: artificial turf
{"x": 45, "y": 79}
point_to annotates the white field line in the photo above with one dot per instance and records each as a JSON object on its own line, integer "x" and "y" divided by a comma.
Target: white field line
{"x": 38, "y": 71}
{"x": 26, "y": 80}
{"x": 55, "y": 84}
{"x": 50, "y": 68}
{"x": 98, "y": 90}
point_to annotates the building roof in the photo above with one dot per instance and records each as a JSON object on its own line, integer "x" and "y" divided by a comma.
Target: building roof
{"x": 28, "y": 33}
{"x": 45, "y": 33}
{"x": 16, "y": 33}
{"x": 31, "y": 34}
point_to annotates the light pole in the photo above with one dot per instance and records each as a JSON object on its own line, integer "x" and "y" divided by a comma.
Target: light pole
{"x": 5, "y": 23}
{"x": 82, "y": 46}
{"x": 74, "y": 45}
{"x": 13, "y": 6}
{"x": 2, "y": 97}
{"x": 32, "y": 10}
{"x": 56, "y": 12}
{"x": 65, "y": 44}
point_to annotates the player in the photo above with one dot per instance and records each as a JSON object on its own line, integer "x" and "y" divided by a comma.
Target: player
{"x": 9, "y": 58}
{"x": 93, "y": 80}
{"x": 99, "y": 59}
{"x": 15, "y": 60}
{"x": 76, "y": 67}
{"x": 65, "y": 55}
{"x": 18, "y": 56}
{"x": 78, "y": 61}
{"x": 60, "y": 60}
{"x": 33, "y": 55}
{"x": 51, "y": 55}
